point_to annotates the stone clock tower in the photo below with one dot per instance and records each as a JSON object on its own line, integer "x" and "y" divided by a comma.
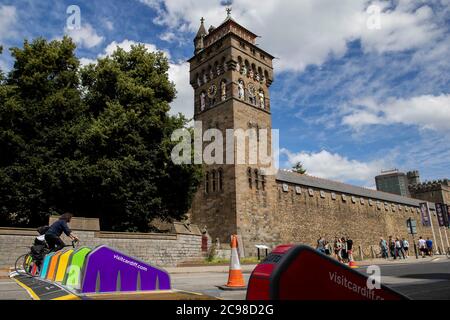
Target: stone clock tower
{"x": 231, "y": 77}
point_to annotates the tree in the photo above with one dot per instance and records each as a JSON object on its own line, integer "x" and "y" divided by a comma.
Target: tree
{"x": 298, "y": 167}
{"x": 94, "y": 141}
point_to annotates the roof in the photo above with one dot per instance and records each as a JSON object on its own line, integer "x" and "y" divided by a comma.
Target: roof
{"x": 324, "y": 184}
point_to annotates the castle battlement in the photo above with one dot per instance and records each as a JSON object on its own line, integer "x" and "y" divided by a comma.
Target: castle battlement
{"x": 434, "y": 185}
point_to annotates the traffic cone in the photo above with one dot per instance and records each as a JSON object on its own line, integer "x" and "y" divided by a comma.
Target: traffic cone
{"x": 235, "y": 277}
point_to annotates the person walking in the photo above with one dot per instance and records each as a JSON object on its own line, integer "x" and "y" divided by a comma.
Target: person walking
{"x": 384, "y": 248}
{"x": 321, "y": 245}
{"x": 429, "y": 243}
{"x": 391, "y": 243}
{"x": 349, "y": 249}
{"x": 344, "y": 253}
{"x": 405, "y": 247}
{"x": 422, "y": 247}
{"x": 338, "y": 248}
{"x": 398, "y": 249}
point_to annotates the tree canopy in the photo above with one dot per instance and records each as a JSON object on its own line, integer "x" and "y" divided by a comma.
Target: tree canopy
{"x": 94, "y": 141}
{"x": 298, "y": 167}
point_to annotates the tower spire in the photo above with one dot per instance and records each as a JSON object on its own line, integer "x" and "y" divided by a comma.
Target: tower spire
{"x": 201, "y": 33}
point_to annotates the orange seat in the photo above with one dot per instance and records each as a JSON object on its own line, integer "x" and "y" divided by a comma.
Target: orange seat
{"x": 53, "y": 266}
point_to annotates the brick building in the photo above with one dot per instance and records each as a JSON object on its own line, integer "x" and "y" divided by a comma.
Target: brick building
{"x": 231, "y": 77}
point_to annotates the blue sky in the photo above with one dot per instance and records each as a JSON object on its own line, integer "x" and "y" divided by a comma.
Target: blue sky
{"x": 360, "y": 86}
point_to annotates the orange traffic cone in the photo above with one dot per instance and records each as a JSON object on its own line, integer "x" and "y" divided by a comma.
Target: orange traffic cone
{"x": 235, "y": 277}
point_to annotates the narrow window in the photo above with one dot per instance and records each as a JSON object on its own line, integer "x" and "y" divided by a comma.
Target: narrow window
{"x": 213, "y": 181}
{"x": 220, "y": 179}
{"x": 207, "y": 183}
{"x": 257, "y": 179}
{"x": 249, "y": 176}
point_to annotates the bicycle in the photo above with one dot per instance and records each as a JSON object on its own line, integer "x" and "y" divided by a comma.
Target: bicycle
{"x": 26, "y": 264}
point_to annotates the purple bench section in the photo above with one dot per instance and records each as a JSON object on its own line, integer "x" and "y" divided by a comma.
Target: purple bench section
{"x": 108, "y": 270}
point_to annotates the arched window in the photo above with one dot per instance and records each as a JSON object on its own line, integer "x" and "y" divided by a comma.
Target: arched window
{"x": 207, "y": 182}
{"x": 257, "y": 179}
{"x": 224, "y": 65}
{"x": 249, "y": 176}
{"x": 239, "y": 65}
{"x": 213, "y": 174}
{"x": 220, "y": 174}
{"x": 202, "y": 100}
{"x": 241, "y": 89}
{"x": 216, "y": 69}
{"x": 223, "y": 90}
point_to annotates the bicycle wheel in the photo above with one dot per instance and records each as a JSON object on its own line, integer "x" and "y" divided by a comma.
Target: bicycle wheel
{"x": 25, "y": 264}
{"x": 19, "y": 266}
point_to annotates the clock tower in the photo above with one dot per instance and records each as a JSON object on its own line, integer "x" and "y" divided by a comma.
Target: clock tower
{"x": 231, "y": 77}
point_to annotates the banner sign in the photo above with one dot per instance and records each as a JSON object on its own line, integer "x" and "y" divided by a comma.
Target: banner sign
{"x": 445, "y": 214}
{"x": 440, "y": 214}
{"x": 425, "y": 213}
{"x": 412, "y": 226}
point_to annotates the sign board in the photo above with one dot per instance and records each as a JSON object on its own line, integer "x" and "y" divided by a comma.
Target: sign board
{"x": 301, "y": 273}
{"x": 425, "y": 213}
{"x": 412, "y": 226}
{"x": 440, "y": 214}
{"x": 108, "y": 270}
{"x": 446, "y": 210}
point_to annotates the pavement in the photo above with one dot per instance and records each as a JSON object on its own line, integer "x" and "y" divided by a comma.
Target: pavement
{"x": 427, "y": 278}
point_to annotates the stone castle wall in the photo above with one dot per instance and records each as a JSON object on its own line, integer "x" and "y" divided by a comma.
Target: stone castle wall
{"x": 165, "y": 249}
{"x": 303, "y": 217}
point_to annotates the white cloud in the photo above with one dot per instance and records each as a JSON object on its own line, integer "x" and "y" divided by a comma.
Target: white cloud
{"x": 109, "y": 25}
{"x": 333, "y": 166}
{"x": 306, "y": 32}
{"x": 426, "y": 112}
{"x": 126, "y": 45}
{"x": 8, "y": 19}
{"x": 86, "y": 36}
{"x": 184, "y": 102}
{"x": 85, "y": 61}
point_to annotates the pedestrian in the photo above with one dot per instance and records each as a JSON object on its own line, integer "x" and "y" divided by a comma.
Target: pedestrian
{"x": 384, "y": 248}
{"x": 328, "y": 248}
{"x": 429, "y": 243}
{"x": 398, "y": 249}
{"x": 349, "y": 249}
{"x": 391, "y": 243}
{"x": 405, "y": 247}
{"x": 321, "y": 245}
{"x": 344, "y": 254}
{"x": 338, "y": 249}
{"x": 422, "y": 247}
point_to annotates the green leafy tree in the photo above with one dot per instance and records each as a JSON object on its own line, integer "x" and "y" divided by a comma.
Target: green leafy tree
{"x": 298, "y": 167}
{"x": 94, "y": 141}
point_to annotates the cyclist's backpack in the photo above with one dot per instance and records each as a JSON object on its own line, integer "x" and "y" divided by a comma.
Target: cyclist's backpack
{"x": 39, "y": 248}
{"x": 43, "y": 230}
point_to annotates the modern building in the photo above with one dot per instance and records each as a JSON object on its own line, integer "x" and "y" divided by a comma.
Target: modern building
{"x": 393, "y": 181}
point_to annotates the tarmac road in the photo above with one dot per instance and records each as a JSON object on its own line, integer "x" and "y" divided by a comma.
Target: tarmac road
{"x": 418, "y": 281}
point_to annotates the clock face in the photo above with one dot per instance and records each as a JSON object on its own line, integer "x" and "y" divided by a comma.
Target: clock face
{"x": 212, "y": 90}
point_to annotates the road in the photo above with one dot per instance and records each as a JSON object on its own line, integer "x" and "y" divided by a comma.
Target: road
{"x": 423, "y": 280}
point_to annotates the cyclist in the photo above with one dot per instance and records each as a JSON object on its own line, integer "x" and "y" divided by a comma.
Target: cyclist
{"x": 52, "y": 236}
